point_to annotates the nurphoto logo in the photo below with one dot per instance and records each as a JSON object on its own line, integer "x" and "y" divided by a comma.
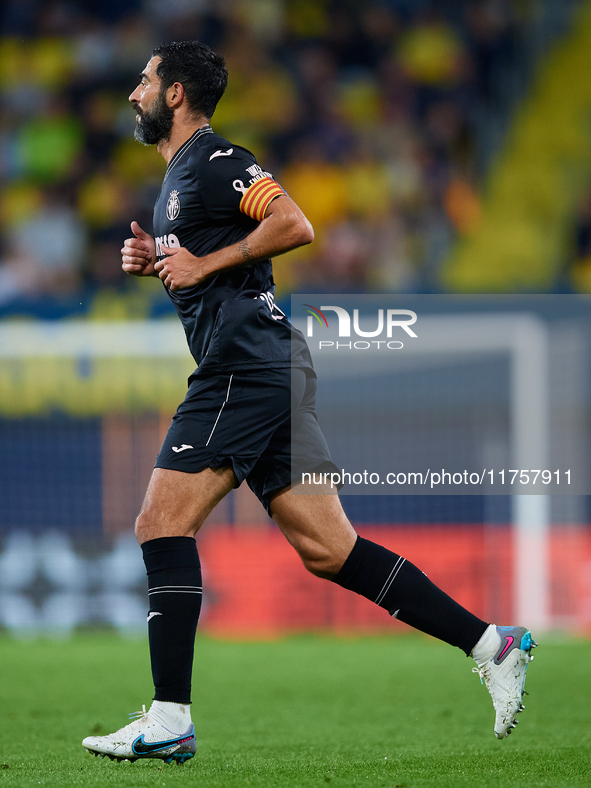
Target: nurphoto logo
{"x": 394, "y": 319}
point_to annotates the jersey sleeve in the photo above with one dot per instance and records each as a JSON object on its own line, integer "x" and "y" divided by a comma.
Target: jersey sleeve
{"x": 231, "y": 181}
{"x": 257, "y": 198}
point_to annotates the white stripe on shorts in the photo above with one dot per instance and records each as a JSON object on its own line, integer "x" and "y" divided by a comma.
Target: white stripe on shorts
{"x": 221, "y": 409}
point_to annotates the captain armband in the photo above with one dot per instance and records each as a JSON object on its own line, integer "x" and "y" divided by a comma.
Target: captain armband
{"x": 256, "y": 198}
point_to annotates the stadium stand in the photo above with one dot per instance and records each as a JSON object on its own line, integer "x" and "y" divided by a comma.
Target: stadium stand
{"x": 537, "y": 184}
{"x": 375, "y": 117}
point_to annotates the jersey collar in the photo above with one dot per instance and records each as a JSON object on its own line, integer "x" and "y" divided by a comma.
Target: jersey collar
{"x": 186, "y": 145}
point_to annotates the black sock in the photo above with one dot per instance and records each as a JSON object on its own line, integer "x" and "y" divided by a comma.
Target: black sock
{"x": 406, "y": 593}
{"x": 174, "y": 589}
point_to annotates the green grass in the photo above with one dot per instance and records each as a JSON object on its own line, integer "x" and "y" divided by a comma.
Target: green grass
{"x": 306, "y": 711}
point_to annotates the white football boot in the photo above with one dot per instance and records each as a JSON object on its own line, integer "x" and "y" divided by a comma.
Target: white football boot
{"x": 502, "y": 656}
{"x": 145, "y": 737}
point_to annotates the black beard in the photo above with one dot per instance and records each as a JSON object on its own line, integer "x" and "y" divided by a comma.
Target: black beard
{"x": 155, "y": 124}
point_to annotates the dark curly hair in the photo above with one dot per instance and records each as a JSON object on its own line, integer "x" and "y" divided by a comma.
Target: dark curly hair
{"x": 200, "y": 71}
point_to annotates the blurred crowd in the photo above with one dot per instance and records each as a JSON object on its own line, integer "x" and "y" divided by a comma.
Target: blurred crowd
{"x": 578, "y": 274}
{"x": 366, "y": 113}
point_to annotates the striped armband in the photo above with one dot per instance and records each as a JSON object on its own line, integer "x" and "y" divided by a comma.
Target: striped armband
{"x": 256, "y": 198}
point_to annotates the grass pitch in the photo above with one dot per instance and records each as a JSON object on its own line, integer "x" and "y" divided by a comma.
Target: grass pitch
{"x": 308, "y": 711}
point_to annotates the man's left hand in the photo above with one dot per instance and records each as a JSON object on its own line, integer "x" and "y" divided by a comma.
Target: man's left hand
{"x": 180, "y": 268}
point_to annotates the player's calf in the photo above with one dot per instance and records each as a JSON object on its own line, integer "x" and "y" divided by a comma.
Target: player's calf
{"x": 320, "y": 561}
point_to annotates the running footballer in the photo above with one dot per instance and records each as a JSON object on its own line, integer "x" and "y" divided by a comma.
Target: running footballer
{"x": 219, "y": 218}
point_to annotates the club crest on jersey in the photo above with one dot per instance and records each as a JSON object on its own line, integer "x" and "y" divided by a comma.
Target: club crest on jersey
{"x": 173, "y": 206}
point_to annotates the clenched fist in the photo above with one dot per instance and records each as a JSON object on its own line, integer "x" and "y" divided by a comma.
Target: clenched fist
{"x": 139, "y": 253}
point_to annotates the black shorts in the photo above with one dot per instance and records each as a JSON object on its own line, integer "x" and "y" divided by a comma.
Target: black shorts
{"x": 262, "y": 424}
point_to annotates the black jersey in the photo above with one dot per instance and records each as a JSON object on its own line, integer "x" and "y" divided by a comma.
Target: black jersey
{"x": 213, "y": 195}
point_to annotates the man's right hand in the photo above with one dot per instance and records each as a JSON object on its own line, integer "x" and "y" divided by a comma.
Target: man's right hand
{"x": 139, "y": 253}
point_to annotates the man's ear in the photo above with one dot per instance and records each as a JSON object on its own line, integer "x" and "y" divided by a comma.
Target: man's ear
{"x": 175, "y": 95}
